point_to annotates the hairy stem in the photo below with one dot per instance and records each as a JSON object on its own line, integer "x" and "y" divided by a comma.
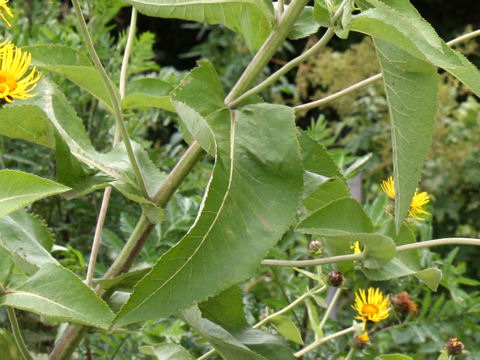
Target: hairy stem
{"x": 330, "y": 308}
{"x": 353, "y": 257}
{"x": 268, "y": 49}
{"x": 17, "y": 335}
{"x": 108, "y": 190}
{"x": 114, "y": 97}
{"x": 323, "y": 340}
{"x": 292, "y": 63}
{"x": 371, "y": 79}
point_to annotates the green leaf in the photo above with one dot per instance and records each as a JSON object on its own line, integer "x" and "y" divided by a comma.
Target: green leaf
{"x": 326, "y": 221}
{"x": 285, "y": 326}
{"x": 258, "y": 174}
{"x": 394, "y": 357}
{"x": 148, "y": 92}
{"x": 28, "y": 123}
{"x": 323, "y": 11}
{"x": 8, "y": 346}
{"x": 195, "y": 111}
{"x": 330, "y": 190}
{"x": 225, "y": 309}
{"x": 58, "y": 293}
{"x": 265, "y": 344}
{"x": 305, "y": 25}
{"x": 225, "y": 343}
{"x": 6, "y": 265}
{"x": 27, "y": 239}
{"x": 72, "y": 64}
{"x": 411, "y": 86}
{"x": 166, "y": 352}
{"x": 19, "y": 189}
{"x": 253, "y": 19}
{"x": 313, "y": 318}
{"x": 443, "y": 355}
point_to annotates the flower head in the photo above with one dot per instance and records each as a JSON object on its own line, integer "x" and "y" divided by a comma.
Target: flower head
{"x": 6, "y": 9}
{"x": 402, "y": 303}
{"x": 356, "y": 247}
{"x": 360, "y": 341}
{"x": 454, "y": 347}
{"x": 419, "y": 200}
{"x": 372, "y": 306}
{"x": 14, "y": 83}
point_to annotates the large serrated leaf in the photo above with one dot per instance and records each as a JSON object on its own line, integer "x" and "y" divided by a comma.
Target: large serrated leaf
{"x": 411, "y": 86}
{"x": 28, "y": 240}
{"x": 257, "y": 174}
{"x": 72, "y": 64}
{"x": 59, "y": 294}
{"x": 19, "y": 189}
{"x": 253, "y": 19}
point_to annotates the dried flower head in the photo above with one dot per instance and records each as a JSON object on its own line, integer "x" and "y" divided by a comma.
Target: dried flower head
{"x": 454, "y": 346}
{"x": 419, "y": 200}
{"x": 15, "y": 83}
{"x": 371, "y": 306}
{"x": 4, "y": 8}
{"x": 335, "y": 278}
{"x": 402, "y": 304}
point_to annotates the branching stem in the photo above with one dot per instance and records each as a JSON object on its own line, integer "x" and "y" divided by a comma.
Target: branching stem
{"x": 323, "y": 340}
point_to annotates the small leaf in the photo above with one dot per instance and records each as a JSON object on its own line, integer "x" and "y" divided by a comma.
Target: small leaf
{"x": 285, "y": 326}
{"x": 305, "y": 25}
{"x": 313, "y": 318}
{"x": 49, "y": 293}
{"x": 19, "y": 189}
{"x": 166, "y": 352}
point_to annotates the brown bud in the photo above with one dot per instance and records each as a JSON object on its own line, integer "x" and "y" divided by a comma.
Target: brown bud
{"x": 454, "y": 346}
{"x": 402, "y": 304}
{"x": 335, "y": 278}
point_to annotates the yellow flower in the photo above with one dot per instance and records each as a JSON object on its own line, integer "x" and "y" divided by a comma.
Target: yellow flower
{"x": 419, "y": 200}
{"x": 373, "y": 306}
{"x": 6, "y": 9}
{"x": 364, "y": 337}
{"x": 356, "y": 247}
{"x": 14, "y": 84}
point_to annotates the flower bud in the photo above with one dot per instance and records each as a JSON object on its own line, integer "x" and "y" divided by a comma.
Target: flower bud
{"x": 315, "y": 247}
{"x": 335, "y": 278}
{"x": 454, "y": 347}
{"x": 360, "y": 341}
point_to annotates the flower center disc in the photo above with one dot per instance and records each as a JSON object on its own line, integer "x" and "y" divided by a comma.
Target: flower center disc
{"x": 369, "y": 309}
{"x": 7, "y": 82}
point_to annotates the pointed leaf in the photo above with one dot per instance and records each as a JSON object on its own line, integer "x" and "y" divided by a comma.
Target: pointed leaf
{"x": 72, "y": 64}
{"x": 253, "y": 19}
{"x": 411, "y": 86}
{"x": 58, "y": 293}
{"x": 285, "y": 326}
{"x": 263, "y": 343}
{"x": 258, "y": 174}
{"x": 27, "y": 239}
{"x": 19, "y": 189}
{"x": 125, "y": 281}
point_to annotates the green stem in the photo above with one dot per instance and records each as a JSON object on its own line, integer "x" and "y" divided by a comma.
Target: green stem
{"x": 114, "y": 97}
{"x": 323, "y": 340}
{"x": 127, "y": 52}
{"x": 350, "y": 353}
{"x": 268, "y": 49}
{"x": 330, "y": 308}
{"x": 371, "y": 79}
{"x": 292, "y": 63}
{"x": 17, "y": 335}
{"x": 290, "y": 306}
{"x": 353, "y": 257}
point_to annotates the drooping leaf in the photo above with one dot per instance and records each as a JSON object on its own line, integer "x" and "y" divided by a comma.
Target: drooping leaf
{"x": 411, "y": 86}
{"x": 19, "y": 189}
{"x": 28, "y": 123}
{"x": 257, "y": 174}
{"x": 28, "y": 240}
{"x": 285, "y": 326}
{"x": 148, "y": 92}
{"x": 56, "y": 292}
{"x": 253, "y": 19}
{"x": 225, "y": 309}
{"x": 166, "y": 352}
{"x": 72, "y": 64}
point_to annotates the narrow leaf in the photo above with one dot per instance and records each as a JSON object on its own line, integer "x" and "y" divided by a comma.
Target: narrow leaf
{"x": 19, "y": 189}
{"x": 58, "y": 293}
{"x": 285, "y": 326}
